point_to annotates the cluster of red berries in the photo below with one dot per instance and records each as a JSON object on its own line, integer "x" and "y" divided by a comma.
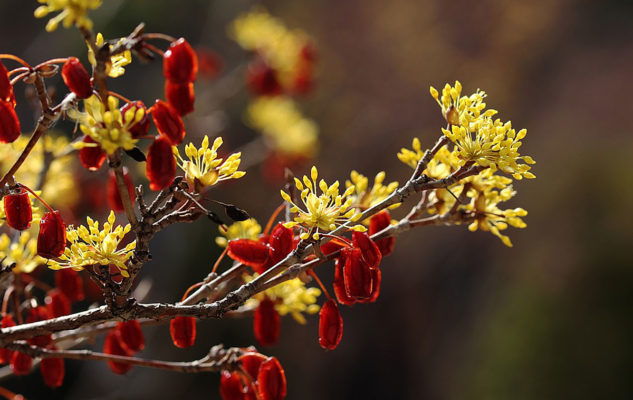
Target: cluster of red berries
{"x": 125, "y": 339}
{"x": 258, "y": 377}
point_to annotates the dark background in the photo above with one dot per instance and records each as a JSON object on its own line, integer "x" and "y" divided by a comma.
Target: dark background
{"x": 460, "y": 315}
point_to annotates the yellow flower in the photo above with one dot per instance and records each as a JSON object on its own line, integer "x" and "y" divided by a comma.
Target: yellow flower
{"x": 114, "y": 68}
{"x": 322, "y": 212}
{"x": 90, "y": 246}
{"x": 248, "y": 229}
{"x": 290, "y": 297}
{"x": 107, "y": 127}
{"x": 283, "y": 126}
{"x": 461, "y": 110}
{"x": 363, "y": 197}
{"x": 443, "y": 163}
{"x": 72, "y": 12}
{"x": 204, "y": 168}
{"x": 23, "y": 252}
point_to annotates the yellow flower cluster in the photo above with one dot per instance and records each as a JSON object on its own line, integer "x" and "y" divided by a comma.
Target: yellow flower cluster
{"x": 280, "y": 47}
{"x": 109, "y": 128}
{"x": 283, "y": 126}
{"x": 203, "y": 167}
{"x": 322, "y": 212}
{"x": 91, "y": 246}
{"x": 71, "y": 12}
{"x": 290, "y": 297}
{"x": 248, "y": 229}
{"x": 461, "y": 110}
{"x": 114, "y": 68}
{"x": 22, "y": 252}
{"x": 363, "y": 197}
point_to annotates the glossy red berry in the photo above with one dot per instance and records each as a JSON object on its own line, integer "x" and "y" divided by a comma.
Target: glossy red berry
{"x": 356, "y": 274}
{"x": 57, "y": 303}
{"x": 6, "y": 354}
{"x": 51, "y": 240}
{"x": 377, "y": 223}
{"x": 249, "y": 252}
{"x": 17, "y": 208}
{"x": 168, "y": 122}
{"x": 266, "y": 323}
{"x": 261, "y": 79}
{"x": 77, "y": 78}
{"x": 369, "y": 250}
{"x": 140, "y": 128}
{"x": 91, "y": 157}
{"x": 231, "y": 387}
{"x": 271, "y": 380}
{"x": 161, "y": 164}
{"x": 112, "y": 345}
{"x": 53, "y": 371}
{"x": 376, "y": 279}
{"x": 330, "y": 325}
{"x": 180, "y": 63}
{"x": 183, "y": 331}
{"x": 339, "y": 280}
{"x": 9, "y": 123}
{"x": 180, "y": 96}
{"x": 39, "y": 314}
{"x": 6, "y": 89}
{"x": 251, "y": 362}
{"x": 281, "y": 242}
{"x": 69, "y": 282}
{"x": 21, "y": 363}
{"x": 131, "y": 335}
{"x": 114, "y": 198}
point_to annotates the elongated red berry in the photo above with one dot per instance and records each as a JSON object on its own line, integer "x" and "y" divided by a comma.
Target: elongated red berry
{"x": 251, "y": 362}
{"x": 266, "y": 323}
{"x": 168, "y": 122}
{"x": 9, "y": 123}
{"x": 281, "y": 242}
{"x": 6, "y": 354}
{"x": 357, "y": 275}
{"x": 369, "y": 250}
{"x": 131, "y": 335}
{"x": 330, "y": 325}
{"x": 180, "y": 63}
{"x": 180, "y": 96}
{"x": 53, "y": 371}
{"x": 161, "y": 164}
{"x": 249, "y": 252}
{"x": 114, "y": 198}
{"x": 339, "y": 279}
{"x": 6, "y": 89}
{"x": 77, "y": 78}
{"x": 91, "y": 157}
{"x": 330, "y": 247}
{"x": 21, "y": 363}
{"x": 51, "y": 240}
{"x": 69, "y": 282}
{"x": 57, "y": 303}
{"x": 262, "y": 80}
{"x": 112, "y": 345}
{"x": 36, "y": 314}
{"x": 271, "y": 380}
{"x": 377, "y": 223}
{"x": 231, "y": 386}
{"x": 17, "y": 208}
{"x": 376, "y": 279}
{"x": 140, "y": 128}
{"x": 183, "y": 331}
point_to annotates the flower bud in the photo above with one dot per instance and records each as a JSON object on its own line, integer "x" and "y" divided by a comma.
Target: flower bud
{"x": 266, "y": 323}
{"x": 6, "y": 354}
{"x": 180, "y": 63}
{"x": 161, "y": 164}
{"x": 168, "y": 122}
{"x": 180, "y": 96}
{"x": 330, "y": 325}
{"x": 70, "y": 284}
{"x": 183, "y": 331}
{"x": 21, "y": 363}
{"x": 262, "y": 79}
{"x": 140, "y": 128}
{"x": 114, "y": 198}
{"x": 91, "y": 157}
{"x": 53, "y": 371}
{"x": 377, "y": 223}
{"x": 6, "y": 89}
{"x": 131, "y": 335}
{"x": 51, "y": 240}
{"x": 9, "y": 123}
{"x": 39, "y": 314}
{"x": 231, "y": 386}
{"x": 112, "y": 345}
{"x": 17, "y": 207}
{"x": 271, "y": 380}
{"x": 57, "y": 303}
{"x": 77, "y": 78}
{"x": 249, "y": 252}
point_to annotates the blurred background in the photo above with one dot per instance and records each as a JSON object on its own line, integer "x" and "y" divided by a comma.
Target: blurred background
{"x": 460, "y": 316}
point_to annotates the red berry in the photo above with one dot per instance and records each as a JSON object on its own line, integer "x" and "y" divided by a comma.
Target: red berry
{"x": 161, "y": 164}
{"x": 369, "y": 250}
{"x": 330, "y": 325}
{"x": 262, "y": 79}
{"x": 9, "y": 123}
{"x": 112, "y": 345}
{"x": 209, "y": 62}
{"x": 339, "y": 280}
{"x": 114, "y": 198}
{"x": 91, "y": 157}
{"x": 6, "y": 354}
{"x": 180, "y": 63}
{"x": 251, "y": 361}
{"x": 281, "y": 242}
{"x": 131, "y": 335}
{"x": 21, "y": 363}
{"x": 376, "y": 278}
{"x": 39, "y": 314}
{"x": 52, "y": 370}
{"x": 266, "y": 323}
{"x": 6, "y": 89}
{"x": 57, "y": 303}
{"x": 77, "y": 78}
{"x": 231, "y": 387}
{"x": 51, "y": 240}
{"x": 168, "y": 122}
{"x": 271, "y": 380}
{"x": 180, "y": 96}
{"x": 140, "y": 128}
{"x": 17, "y": 207}
{"x": 70, "y": 284}
{"x": 357, "y": 275}
{"x": 183, "y": 331}
{"x": 377, "y": 223}
{"x": 249, "y": 252}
